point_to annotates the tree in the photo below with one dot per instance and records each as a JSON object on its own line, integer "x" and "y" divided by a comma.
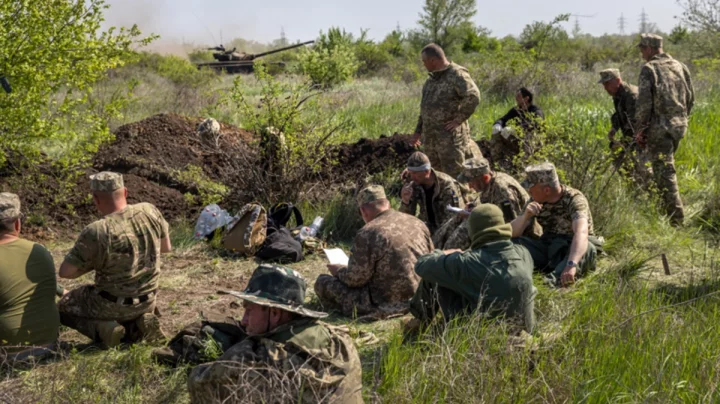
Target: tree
{"x": 702, "y": 15}
{"x": 53, "y": 51}
{"x": 537, "y": 34}
{"x": 445, "y": 21}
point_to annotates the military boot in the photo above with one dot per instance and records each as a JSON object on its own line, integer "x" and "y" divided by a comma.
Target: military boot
{"x": 110, "y": 333}
{"x": 149, "y": 326}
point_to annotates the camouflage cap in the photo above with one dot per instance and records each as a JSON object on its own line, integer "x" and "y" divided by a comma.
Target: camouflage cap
{"x": 370, "y": 193}
{"x": 9, "y": 206}
{"x": 543, "y": 173}
{"x": 609, "y": 74}
{"x": 651, "y": 41}
{"x": 106, "y": 181}
{"x": 473, "y": 168}
{"x": 418, "y": 161}
{"x": 277, "y": 286}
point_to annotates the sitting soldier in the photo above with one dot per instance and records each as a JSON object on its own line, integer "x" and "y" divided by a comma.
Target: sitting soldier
{"x": 28, "y": 316}
{"x": 565, "y": 250}
{"x": 494, "y": 187}
{"x": 494, "y": 277}
{"x": 380, "y": 276}
{"x": 431, "y": 190}
{"x": 280, "y": 352}
{"x": 123, "y": 248}
{"x": 506, "y": 142}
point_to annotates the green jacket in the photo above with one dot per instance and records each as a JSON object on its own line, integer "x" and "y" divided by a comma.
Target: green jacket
{"x": 495, "y": 279}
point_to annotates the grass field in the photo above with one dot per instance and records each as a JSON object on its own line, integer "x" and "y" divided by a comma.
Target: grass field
{"x": 626, "y": 333}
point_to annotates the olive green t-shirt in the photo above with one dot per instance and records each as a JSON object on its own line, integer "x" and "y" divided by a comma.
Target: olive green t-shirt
{"x": 28, "y": 314}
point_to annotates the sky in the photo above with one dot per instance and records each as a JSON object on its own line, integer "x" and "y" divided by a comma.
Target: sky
{"x": 212, "y": 21}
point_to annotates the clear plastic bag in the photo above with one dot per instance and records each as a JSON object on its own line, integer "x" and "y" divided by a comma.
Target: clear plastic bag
{"x": 211, "y": 218}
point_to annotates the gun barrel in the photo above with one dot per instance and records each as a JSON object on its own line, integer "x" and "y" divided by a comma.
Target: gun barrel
{"x": 282, "y": 49}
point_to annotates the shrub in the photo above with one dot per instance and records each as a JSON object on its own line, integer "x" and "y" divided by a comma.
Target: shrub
{"x": 331, "y": 61}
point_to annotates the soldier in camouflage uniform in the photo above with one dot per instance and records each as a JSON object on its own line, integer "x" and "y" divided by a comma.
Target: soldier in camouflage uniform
{"x": 431, "y": 191}
{"x": 379, "y": 277}
{"x": 279, "y": 352}
{"x": 665, "y": 99}
{"x": 494, "y": 276}
{"x": 123, "y": 248}
{"x": 449, "y": 98}
{"x": 494, "y": 187}
{"x": 626, "y": 151}
{"x": 566, "y": 249}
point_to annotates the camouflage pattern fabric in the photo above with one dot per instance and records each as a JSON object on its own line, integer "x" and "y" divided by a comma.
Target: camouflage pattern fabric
{"x": 123, "y": 249}
{"x": 628, "y": 154}
{"x": 381, "y": 272}
{"x": 9, "y": 206}
{"x": 302, "y": 361}
{"x": 447, "y": 191}
{"x": 106, "y": 181}
{"x": 503, "y": 190}
{"x": 369, "y": 194}
{"x": 448, "y": 95}
{"x": 557, "y": 218}
{"x": 665, "y": 100}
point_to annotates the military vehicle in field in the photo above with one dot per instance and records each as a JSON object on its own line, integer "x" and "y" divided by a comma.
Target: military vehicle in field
{"x": 234, "y": 62}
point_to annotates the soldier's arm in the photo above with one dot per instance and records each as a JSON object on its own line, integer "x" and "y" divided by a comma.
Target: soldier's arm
{"x": 644, "y": 105}
{"x": 512, "y": 114}
{"x": 411, "y": 207}
{"x": 469, "y": 96}
{"x": 83, "y": 256}
{"x": 447, "y": 271}
{"x": 418, "y": 127}
{"x": 690, "y": 102}
{"x": 364, "y": 257}
{"x": 579, "y": 244}
{"x": 615, "y": 122}
{"x": 630, "y": 109}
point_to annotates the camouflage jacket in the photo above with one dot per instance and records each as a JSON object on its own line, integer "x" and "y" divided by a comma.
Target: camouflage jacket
{"x": 449, "y": 94}
{"x": 446, "y": 191}
{"x": 625, "y": 101}
{"x": 302, "y": 361}
{"x": 384, "y": 253}
{"x": 123, "y": 249}
{"x": 557, "y": 218}
{"x": 665, "y": 95}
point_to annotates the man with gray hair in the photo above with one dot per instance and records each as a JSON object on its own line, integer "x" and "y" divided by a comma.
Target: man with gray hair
{"x": 665, "y": 99}
{"x": 449, "y": 98}
{"x": 123, "y": 248}
{"x": 380, "y": 276}
{"x": 564, "y": 250}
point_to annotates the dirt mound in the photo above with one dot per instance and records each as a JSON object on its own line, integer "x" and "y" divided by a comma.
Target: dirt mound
{"x": 368, "y": 156}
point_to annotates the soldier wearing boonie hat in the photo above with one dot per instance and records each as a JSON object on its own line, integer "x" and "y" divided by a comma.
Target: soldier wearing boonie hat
{"x": 567, "y": 248}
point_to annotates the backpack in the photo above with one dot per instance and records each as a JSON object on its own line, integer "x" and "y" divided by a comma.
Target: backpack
{"x": 280, "y": 213}
{"x": 248, "y": 232}
{"x": 280, "y": 246}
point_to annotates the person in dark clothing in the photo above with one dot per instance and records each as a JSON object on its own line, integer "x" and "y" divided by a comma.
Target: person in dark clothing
{"x": 516, "y": 130}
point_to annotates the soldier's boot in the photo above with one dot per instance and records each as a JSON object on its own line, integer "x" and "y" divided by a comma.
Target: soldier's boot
{"x": 110, "y": 333}
{"x": 149, "y": 326}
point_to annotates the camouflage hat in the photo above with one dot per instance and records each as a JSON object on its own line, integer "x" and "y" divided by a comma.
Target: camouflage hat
{"x": 543, "y": 173}
{"x": 9, "y": 206}
{"x": 609, "y": 74}
{"x": 651, "y": 41}
{"x": 473, "y": 168}
{"x": 106, "y": 181}
{"x": 418, "y": 161}
{"x": 277, "y": 286}
{"x": 370, "y": 193}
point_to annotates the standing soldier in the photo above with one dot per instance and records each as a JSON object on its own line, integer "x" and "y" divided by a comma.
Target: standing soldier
{"x": 665, "y": 99}
{"x": 449, "y": 98}
{"x": 123, "y": 248}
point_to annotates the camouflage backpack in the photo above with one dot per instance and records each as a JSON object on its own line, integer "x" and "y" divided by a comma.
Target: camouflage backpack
{"x": 248, "y": 232}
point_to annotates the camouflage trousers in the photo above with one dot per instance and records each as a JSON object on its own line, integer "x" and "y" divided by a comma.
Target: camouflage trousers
{"x": 503, "y": 150}
{"x": 454, "y": 233}
{"x": 550, "y": 255}
{"x": 83, "y": 309}
{"x": 661, "y": 147}
{"x": 448, "y": 151}
{"x": 350, "y": 301}
{"x": 632, "y": 161}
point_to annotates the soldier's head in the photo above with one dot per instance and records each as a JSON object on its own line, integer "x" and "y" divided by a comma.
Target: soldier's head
{"x": 524, "y": 98}
{"x": 611, "y": 80}
{"x": 274, "y": 296}
{"x": 419, "y": 169}
{"x": 433, "y": 57}
{"x": 542, "y": 182}
{"x": 477, "y": 174}
{"x": 650, "y": 45}
{"x": 10, "y": 216}
{"x": 372, "y": 201}
{"x": 109, "y": 192}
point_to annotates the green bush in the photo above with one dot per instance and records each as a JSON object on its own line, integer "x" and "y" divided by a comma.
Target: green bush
{"x": 331, "y": 61}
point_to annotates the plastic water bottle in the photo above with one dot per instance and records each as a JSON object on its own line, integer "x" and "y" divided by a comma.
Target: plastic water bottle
{"x": 312, "y": 230}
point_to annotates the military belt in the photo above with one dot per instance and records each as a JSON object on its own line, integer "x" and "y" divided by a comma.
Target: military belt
{"x": 127, "y": 301}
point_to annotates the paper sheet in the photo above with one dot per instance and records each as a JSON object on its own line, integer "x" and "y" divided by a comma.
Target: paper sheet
{"x": 336, "y": 256}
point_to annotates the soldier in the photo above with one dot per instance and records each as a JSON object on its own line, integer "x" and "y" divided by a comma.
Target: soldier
{"x": 565, "y": 250}
{"x": 28, "y": 315}
{"x": 279, "y": 352}
{"x": 494, "y": 187}
{"x": 494, "y": 276}
{"x": 506, "y": 143}
{"x": 449, "y": 98}
{"x": 665, "y": 99}
{"x": 123, "y": 248}
{"x": 431, "y": 190}
{"x": 379, "y": 277}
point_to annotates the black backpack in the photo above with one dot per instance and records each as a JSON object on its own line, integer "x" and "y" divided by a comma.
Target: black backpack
{"x": 280, "y": 246}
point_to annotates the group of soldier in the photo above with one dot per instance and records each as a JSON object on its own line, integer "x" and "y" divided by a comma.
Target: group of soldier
{"x": 466, "y": 238}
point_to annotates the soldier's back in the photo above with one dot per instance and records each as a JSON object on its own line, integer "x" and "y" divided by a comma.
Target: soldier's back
{"x": 671, "y": 85}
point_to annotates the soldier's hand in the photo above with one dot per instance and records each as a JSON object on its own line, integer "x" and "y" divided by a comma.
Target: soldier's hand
{"x": 406, "y": 193}
{"x": 452, "y": 125}
{"x": 415, "y": 140}
{"x": 567, "y": 277}
{"x": 533, "y": 209}
{"x": 334, "y": 268}
{"x": 453, "y": 251}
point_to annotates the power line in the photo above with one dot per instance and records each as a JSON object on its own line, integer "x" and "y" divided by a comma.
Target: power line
{"x": 644, "y": 23}
{"x": 621, "y": 23}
